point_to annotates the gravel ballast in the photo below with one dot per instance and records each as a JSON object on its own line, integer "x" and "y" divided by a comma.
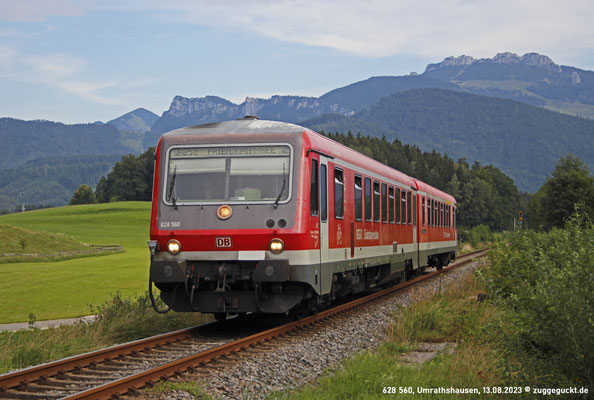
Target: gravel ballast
{"x": 301, "y": 359}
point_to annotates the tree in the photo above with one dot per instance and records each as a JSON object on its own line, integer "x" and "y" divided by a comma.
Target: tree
{"x": 569, "y": 186}
{"x": 485, "y": 195}
{"x": 83, "y": 195}
{"x": 131, "y": 179}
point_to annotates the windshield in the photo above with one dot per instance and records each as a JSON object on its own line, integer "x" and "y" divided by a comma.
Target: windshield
{"x": 229, "y": 174}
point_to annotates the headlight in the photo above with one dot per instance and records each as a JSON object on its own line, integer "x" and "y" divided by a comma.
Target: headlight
{"x": 173, "y": 246}
{"x": 276, "y": 246}
{"x": 224, "y": 212}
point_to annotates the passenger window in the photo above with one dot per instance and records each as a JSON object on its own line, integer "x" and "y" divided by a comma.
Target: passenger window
{"x": 397, "y": 205}
{"x": 358, "y": 198}
{"x": 338, "y": 194}
{"x": 438, "y": 214}
{"x": 409, "y": 208}
{"x": 384, "y": 203}
{"x": 391, "y": 203}
{"x": 324, "y": 192}
{"x": 403, "y": 206}
{"x": 314, "y": 189}
{"x": 376, "y": 201}
{"x": 434, "y": 212}
{"x": 367, "y": 199}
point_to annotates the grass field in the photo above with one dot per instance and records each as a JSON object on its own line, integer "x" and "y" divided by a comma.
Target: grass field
{"x": 63, "y": 289}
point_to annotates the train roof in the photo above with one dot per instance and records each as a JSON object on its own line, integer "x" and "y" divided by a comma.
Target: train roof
{"x": 424, "y": 187}
{"x": 243, "y": 125}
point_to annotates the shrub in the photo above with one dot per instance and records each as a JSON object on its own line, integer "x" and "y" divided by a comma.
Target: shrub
{"x": 476, "y": 235}
{"x": 548, "y": 281}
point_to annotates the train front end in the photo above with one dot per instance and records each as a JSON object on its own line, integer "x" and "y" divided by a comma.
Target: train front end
{"x": 225, "y": 218}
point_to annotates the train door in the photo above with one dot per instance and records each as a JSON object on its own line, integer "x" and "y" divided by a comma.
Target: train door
{"x": 324, "y": 240}
{"x": 415, "y": 215}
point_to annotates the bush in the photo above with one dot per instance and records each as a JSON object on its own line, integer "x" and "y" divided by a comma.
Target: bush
{"x": 476, "y": 235}
{"x": 547, "y": 279}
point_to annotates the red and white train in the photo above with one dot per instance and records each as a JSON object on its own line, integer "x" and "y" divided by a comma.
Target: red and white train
{"x": 270, "y": 217}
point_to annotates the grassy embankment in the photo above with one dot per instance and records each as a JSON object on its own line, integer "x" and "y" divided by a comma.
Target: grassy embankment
{"x": 15, "y": 240}
{"x": 112, "y": 286}
{"x": 68, "y": 288}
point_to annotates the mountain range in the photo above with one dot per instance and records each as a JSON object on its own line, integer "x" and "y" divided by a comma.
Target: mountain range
{"x": 520, "y": 113}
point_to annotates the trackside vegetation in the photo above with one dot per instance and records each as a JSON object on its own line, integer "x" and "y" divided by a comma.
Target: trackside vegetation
{"x": 546, "y": 280}
{"x": 118, "y": 320}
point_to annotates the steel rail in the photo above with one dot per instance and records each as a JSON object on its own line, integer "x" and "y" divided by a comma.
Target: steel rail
{"x": 27, "y": 375}
{"x": 136, "y": 381}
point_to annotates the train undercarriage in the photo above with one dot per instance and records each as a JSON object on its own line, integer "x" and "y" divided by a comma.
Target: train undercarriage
{"x": 224, "y": 288}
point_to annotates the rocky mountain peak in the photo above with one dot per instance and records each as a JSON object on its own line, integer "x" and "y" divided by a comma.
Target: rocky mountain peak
{"x": 463, "y": 60}
{"x": 529, "y": 59}
{"x": 509, "y": 58}
{"x": 183, "y": 105}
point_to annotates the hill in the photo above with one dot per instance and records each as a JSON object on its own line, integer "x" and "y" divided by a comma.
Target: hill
{"x": 522, "y": 140}
{"x": 51, "y": 180}
{"x": 43, "y": 162}
{"x": 532, "y": 78}
{"x": 140, "y": 120}
{"x": 365, "y": 93}
{"x": 27, "y": 140}
{"x": 62, "y": 289}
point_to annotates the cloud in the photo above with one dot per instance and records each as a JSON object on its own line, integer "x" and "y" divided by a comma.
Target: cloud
{"x": 7, "y": 57}
{"x": 58, "y": 70}
{"x": 56, "y": 65}
{"x": 372, "y": 28}
{"x": 379, "y": 28}
{"x": 4, "y": 32}
{"x": 88, "y": 90}
{"x": 36, "y": 10}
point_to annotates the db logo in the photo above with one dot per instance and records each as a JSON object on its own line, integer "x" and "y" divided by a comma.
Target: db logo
{"x": 223, "y": 242}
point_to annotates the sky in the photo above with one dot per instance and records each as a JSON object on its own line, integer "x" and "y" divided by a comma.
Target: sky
{"x": 93, "y": 60}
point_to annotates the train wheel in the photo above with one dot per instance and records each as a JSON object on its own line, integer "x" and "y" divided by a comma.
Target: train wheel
{"x": 220, "y": 316}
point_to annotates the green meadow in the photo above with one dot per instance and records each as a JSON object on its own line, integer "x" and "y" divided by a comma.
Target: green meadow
{"x": 72, "y": 288}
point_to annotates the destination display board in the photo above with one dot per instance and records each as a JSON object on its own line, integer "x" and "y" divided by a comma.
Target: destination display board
{"x": 229, "y": 151}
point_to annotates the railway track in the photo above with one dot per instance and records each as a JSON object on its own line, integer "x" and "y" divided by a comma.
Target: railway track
{"x": 124, "y": 369}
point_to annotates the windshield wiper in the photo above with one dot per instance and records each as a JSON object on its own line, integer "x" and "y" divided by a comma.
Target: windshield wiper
{"x": 282, "y": 189}
{"x": 170, "y": 195}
